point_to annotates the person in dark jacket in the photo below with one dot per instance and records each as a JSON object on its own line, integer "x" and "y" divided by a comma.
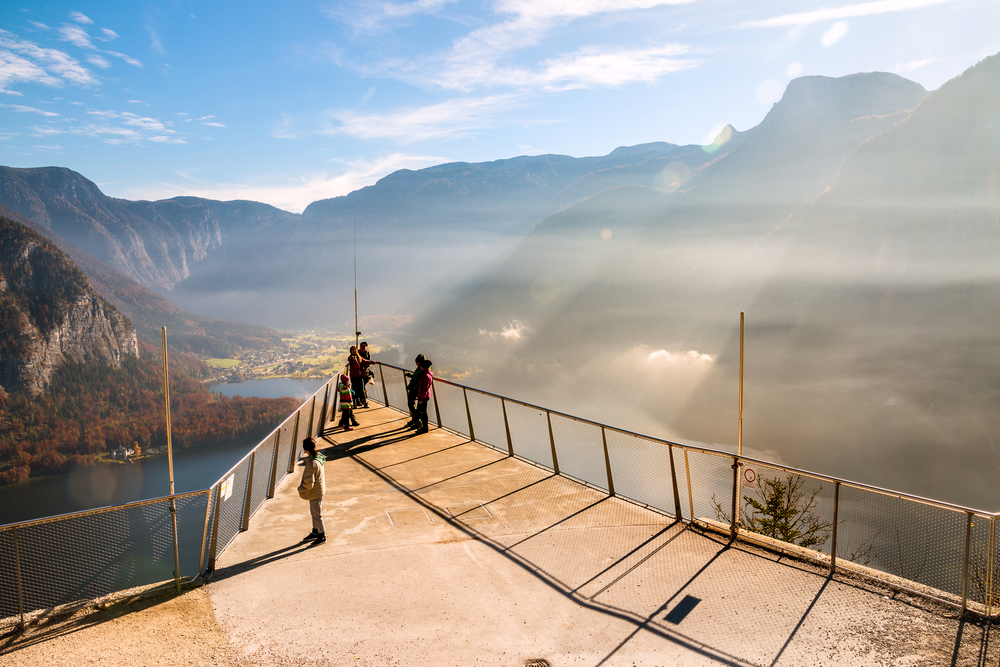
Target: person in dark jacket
{"x": 424, "y": 395}
{"x": 413, "y": 381}
{"x": 366, "y": 372}
{"x": 354, "y": 362}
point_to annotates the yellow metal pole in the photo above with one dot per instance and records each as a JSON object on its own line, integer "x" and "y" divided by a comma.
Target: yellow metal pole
{"x": 170, "y": 463}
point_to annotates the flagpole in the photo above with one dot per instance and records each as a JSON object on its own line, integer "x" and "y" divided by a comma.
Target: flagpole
{"x": 357, "y": 333}
{"x": 170, "y": 462}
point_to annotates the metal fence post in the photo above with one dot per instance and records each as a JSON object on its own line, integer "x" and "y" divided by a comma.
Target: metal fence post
{"x": 312, "y": 416}
{"x": 552, "y": 443}
{"x": 989, "y": 567}
{"x": 204, "y": 532}
{"x": 687, "y": 469}
{"x": 295, "y": 442}
{"x": 673, "y": 478}
{"x": 836, "y": 520}
{"x": 326, "y": 404}
{"x": 246, "y": 499}
{"x": 607, "y": 463}
{"x": 437, "y": 408}
{"x": 215, "y": 529}
{"x": 385, "y": 394}
{"x": 965, "y": 565}
{"x": 506, "y": 427}
{"x": 734, "y": 523}
{"x": 274, "y": 464}
{"x": 17, "y": 568}
{"x": 468, "y": 414}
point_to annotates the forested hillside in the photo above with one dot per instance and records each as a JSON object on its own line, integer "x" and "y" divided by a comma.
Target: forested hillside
{"x": 90, "y": 410}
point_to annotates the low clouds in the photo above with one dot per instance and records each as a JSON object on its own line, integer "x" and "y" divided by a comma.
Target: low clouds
{"x": 295, "y": 196}
{"x": 847, "y": 11}
{"x": 449, "y": 119}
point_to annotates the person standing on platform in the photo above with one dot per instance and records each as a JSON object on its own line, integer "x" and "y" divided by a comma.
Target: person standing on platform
{"x": 313, "y": 488}
{"x": 412, "y": 383}
{"x": 346, "y": 403}
{"x": 424, "y": 396}
{"x": 366, "y": 372}
{"x": 357, "y": 383}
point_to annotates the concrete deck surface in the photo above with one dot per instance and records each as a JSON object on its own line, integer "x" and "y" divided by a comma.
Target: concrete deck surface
{"x": 442, "y": 551}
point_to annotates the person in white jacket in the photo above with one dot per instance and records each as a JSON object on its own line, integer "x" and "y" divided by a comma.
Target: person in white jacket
{"x": 312, "y": 488}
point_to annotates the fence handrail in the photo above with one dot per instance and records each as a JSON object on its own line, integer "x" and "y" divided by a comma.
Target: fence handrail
{"x": 902, "y": 495}
{"x": 103, "y": 510}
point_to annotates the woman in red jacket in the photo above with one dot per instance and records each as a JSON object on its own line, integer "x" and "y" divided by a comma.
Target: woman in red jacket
{"x": 426, "y": 380}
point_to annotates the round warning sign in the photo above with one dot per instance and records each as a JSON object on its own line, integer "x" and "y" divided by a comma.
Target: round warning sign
{"x": 749, "y": 478}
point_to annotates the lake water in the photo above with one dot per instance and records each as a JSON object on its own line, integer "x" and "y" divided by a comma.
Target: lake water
{"x": 274, "y": 388}
{"x": 118, "y": 483}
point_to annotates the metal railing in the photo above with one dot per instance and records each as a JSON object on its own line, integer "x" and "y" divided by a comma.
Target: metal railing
{"x": 88, "y": 555}
{"x": 930, "y": 548}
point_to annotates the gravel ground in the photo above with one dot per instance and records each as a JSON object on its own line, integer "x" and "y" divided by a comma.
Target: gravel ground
{"x": 164, "y": 630}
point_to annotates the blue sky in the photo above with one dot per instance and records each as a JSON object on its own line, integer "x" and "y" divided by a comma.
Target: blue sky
{"x": 292, "y": 102}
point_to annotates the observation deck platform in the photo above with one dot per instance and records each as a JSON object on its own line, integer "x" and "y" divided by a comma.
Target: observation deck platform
{"x": 442, "y": 551}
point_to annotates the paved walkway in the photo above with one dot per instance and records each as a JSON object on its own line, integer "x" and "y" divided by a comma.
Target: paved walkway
{"x": 447, "y": 552}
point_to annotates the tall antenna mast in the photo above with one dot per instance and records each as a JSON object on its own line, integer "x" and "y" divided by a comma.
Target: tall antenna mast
{"x": 357, "y": 333}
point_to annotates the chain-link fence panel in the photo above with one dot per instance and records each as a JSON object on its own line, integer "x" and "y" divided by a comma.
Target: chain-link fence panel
{"x": 395, "y": 387}
{"x": 286, "y": 435}
{"x": 640, "y": 470}
{"x": 786, "y": 506}
{"x": 710, "y": 485}
{"x": 580, "y": 450}
{"x": 261, "y": 482}
{"x": 451, "y": 404}
{"x": 93, "y": 555}
{"x": 231, "y": 499}
{"x": 487, "y": 420}
{"x": 919, "y": 542}
{"x": 529, "y": 433}
{"x": 9, "y": 571}
{"x": 980, "y": 574}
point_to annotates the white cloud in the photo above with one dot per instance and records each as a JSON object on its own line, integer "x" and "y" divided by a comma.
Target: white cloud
{"x": 108, "y": 34}
{"x": 847, "y": 11}
{"x": 834, "y": 34}
{"x": 129, "y": 59}
{"x": 23, "y": 109}
{"x": 36, "y": 64}
{"x": 451, "y": 118}
{"x": 515, "y": 331}
{"x": 296, "y": 195}
{"x": 912, "y": 65}
{"x": 40, "y": 26}
{"x": 98, "y": 61}
{"x": 155, "y": 42}
{"x": 688, "y": 358}
{"x": 163, "y": 139}
{"x": 794, "y": 70}
{"x": 475, "y": 60}
{"x": 80, "y": 18}
{"x": 608, "y": 67}
{"x": 45, "y": 131}
{"x": 76, "y": 36}
{"x": 370, "y": 16}
{"x": 214, "y": 124}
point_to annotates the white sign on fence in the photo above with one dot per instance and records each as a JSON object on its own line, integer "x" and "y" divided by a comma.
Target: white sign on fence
{"x": 227, "y": 487}
{"x": 749, "y": 478}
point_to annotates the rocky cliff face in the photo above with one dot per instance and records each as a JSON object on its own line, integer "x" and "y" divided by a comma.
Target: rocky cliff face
{"x": 50, "y": 314}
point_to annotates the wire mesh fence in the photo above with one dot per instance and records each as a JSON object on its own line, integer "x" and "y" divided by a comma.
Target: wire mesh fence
{"x": 487, "y": 419}
{"x": 581, "y": 450}
{"x": 52, "y": 562}
{"x": 947, "y": 551}
{"x": 451, "y": 405}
